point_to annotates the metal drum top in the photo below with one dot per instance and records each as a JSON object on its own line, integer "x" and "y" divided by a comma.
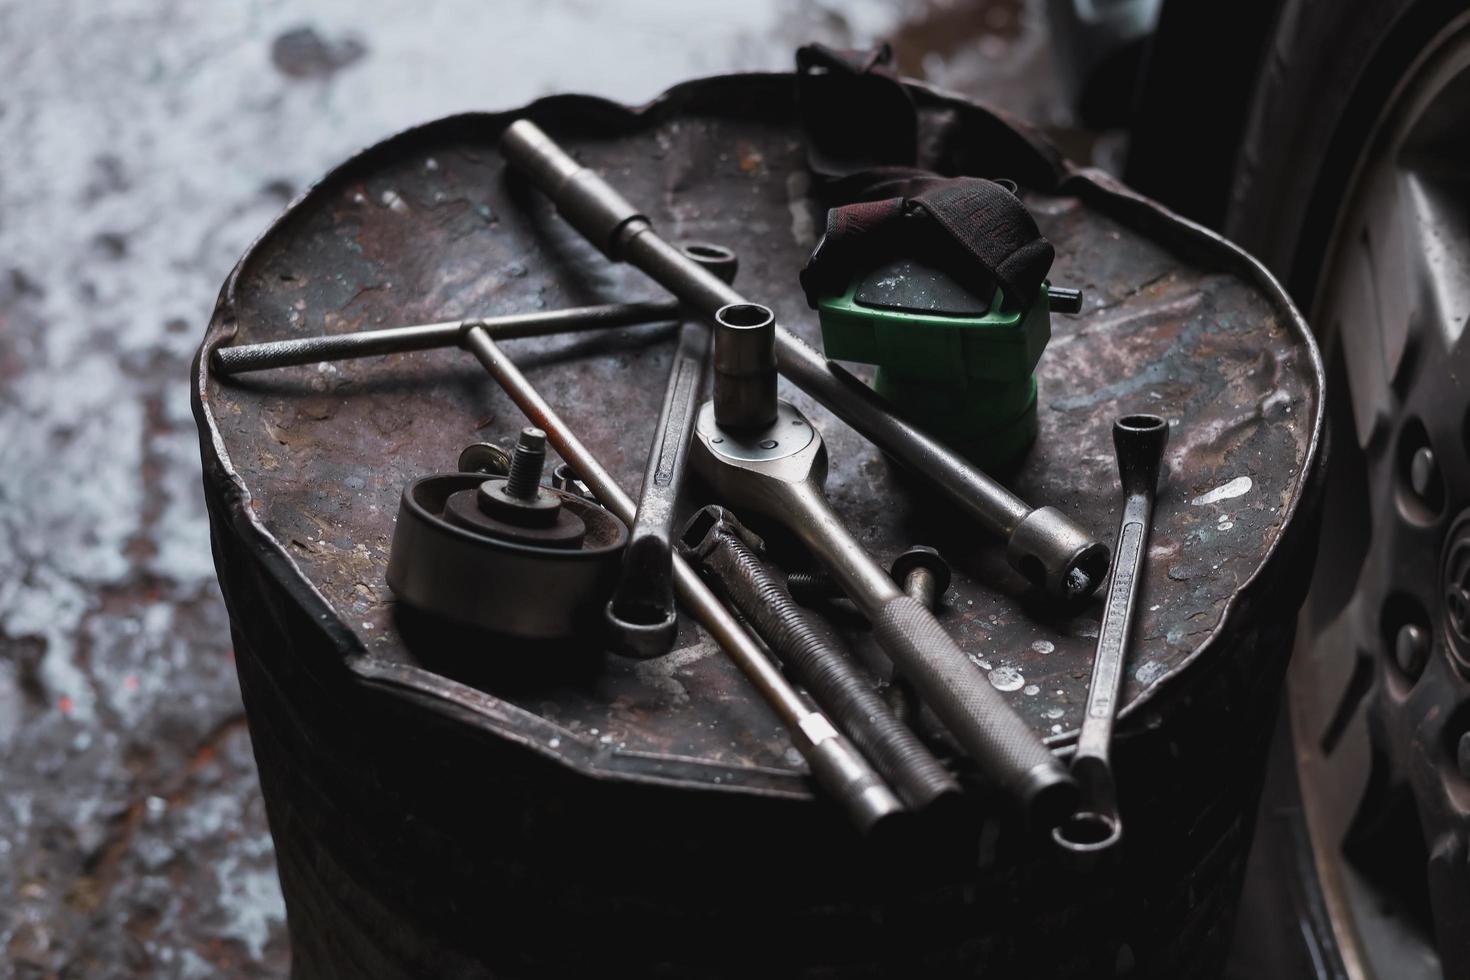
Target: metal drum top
{"x": 426, "y": 227}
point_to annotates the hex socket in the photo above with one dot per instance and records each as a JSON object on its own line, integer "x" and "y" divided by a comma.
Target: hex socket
{"x": 1139, "y": 441}
{"x": 745, "y": 366}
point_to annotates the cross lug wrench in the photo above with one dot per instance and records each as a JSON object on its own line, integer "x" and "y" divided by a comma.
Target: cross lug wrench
{"x": 1042, "y": 543}
{"x": 1138, "y": 441}
{"x": 777, "y": 470}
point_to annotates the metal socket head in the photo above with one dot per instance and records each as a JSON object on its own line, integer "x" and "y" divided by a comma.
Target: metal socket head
{"x": 566, "y": 478}
{"x": 1139, "y": 442}
{"x": 714, "y": 258}
{"x": 745, "y": 366}
{"x": 748, "y": 468}
{"x": 1057, "y": 555}
{"x": 699, "y": 536}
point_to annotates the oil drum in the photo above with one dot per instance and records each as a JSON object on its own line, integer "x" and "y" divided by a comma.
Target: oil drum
{"x": 448, "y": 805}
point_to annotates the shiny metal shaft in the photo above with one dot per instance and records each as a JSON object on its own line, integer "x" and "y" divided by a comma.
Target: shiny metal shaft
{"x": 961, "y": 696}
{"x": 1139, "y": 442}
{"x": 840, "y": 770}
{"x": 716, "y": 542}
{"x": 1042, "y": 543}
{"x": 428, "y": 336}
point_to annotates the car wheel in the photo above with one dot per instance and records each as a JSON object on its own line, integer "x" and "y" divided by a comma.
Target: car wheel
{"x": 1353, "y": 184}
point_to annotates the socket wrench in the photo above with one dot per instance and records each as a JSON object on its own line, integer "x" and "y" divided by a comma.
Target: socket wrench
{"x": 777, "y": 470}
{"x": 1138, "y": 441}
{"x": 1042, "y": 543}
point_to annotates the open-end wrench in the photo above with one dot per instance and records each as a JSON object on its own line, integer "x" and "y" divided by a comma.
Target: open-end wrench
{"x": 838, "y": 768}
{"x": 1139, "y": 442}
{"x": 1042, "y": 543}
{"x": 777, "y": 469}
{"x": 642, "y": 618}
{"x": 429, "y": 336}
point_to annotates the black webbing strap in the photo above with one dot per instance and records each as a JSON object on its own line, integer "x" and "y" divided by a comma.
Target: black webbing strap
{"x": 862, "y": 141}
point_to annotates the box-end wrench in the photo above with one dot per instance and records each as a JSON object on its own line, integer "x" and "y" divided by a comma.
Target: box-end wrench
{"x": 642, "y": 618}
{"x": 777, "y": 469}
{"x": 1138, "y": 441}
{"x": 837, "y": 767}
{"x": 1042, "y": 543}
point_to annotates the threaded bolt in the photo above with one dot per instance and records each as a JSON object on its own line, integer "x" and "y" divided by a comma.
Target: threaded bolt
{"x": 526, "y": 464}
{"x": 809, "y": 587}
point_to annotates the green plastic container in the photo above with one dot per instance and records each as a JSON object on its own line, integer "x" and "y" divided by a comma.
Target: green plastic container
{"x": 1001, "y": 345}
{"x": 965, "y": 379}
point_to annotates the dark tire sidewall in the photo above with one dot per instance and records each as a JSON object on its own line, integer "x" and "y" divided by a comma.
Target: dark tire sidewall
{"x": 1327, "y": 74}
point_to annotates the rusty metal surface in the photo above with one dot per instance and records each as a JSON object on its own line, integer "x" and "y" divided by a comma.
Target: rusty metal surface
{"x": 425, "y": 227}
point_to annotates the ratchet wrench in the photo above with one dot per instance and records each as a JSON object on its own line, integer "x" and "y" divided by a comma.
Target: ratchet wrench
{"x": 777, "y": 469}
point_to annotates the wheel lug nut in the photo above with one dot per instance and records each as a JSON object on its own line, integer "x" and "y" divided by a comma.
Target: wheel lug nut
{"x": 1411, "y": 649}
{"x": 1423, "y": 472}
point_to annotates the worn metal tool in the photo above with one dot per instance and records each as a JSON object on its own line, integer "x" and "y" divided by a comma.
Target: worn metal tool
{"x": 504, "y": 554}
{"x": 642, "y": 618}
{"x": 728, "y": 552}
{"x": 1139, "y": 442}
{"x": 778, "y": 470}
{"x": 837, "y": 767}
{"x": 924, "y": 574}
{"x": 428, "y": 336}
{"x": 1043, "y": 543}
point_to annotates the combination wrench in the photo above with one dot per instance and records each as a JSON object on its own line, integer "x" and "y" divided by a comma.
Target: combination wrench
{"x": 642, "y": 618}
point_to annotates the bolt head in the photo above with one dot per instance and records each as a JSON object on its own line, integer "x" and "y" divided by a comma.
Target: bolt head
{"x": 532, "y": 439}
{"x": 923, "y": 557}
{"x": 1423, "y": 471}
{"x": 1411, "y": 649}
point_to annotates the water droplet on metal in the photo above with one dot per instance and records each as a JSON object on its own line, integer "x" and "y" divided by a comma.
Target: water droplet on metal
{"x": 1007, "y": 679}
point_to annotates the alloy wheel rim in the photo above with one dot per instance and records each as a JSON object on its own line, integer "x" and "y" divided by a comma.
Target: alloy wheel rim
{"x": 1379, "y": 686}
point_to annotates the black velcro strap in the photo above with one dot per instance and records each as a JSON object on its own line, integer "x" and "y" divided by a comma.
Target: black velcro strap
{"x": 854, "y": 111}
{"x": 973, "y": 227}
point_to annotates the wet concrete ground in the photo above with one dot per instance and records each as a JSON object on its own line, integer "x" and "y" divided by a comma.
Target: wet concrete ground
{"x": 143, "y": 144}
